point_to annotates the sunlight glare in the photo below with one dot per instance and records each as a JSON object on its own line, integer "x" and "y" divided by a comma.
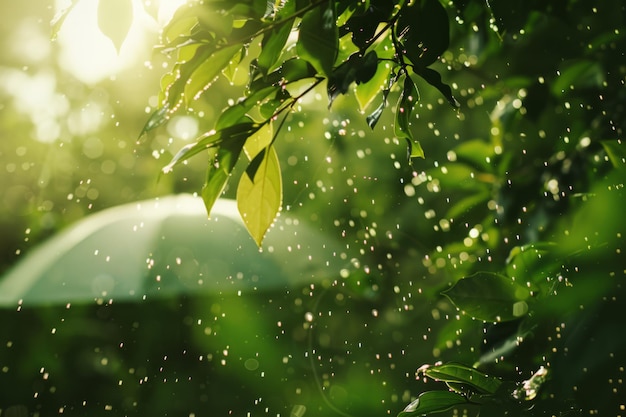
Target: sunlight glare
{"x": 91, "y": 57}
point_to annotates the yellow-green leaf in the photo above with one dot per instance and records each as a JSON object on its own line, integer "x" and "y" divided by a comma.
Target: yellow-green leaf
{"x": 259, "y": 194}
{"x": 114, "y": 20}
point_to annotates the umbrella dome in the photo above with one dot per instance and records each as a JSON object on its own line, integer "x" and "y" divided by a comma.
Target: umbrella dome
{"x": 164, "y": 247}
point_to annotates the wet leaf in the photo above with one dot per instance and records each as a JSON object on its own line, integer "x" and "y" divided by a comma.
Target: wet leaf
{"x": 533, "y": 263}
{"x": 490, "y": 297}
{"x": 156, "y": 119}
{"x": 404, "y": 111}
{"x": 205, "y": 73}
{"x": 114, "y": 20}
{"x": 318, "y": 39}
{"x": 432, "y": 402}
{"x": 461, "y": 375}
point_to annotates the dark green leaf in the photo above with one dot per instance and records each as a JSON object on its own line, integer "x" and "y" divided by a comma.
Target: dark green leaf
{"x": 532, "y": 264}
{"x": 489, "y": 297}
{"x": 424, "y": 30}
{"x": 616, "y": 152}
{"x": 433, "y": 78}
{"x": 292, "y": 70}
{"x": 367, "y": 68}
{"x": 223, "y": 160}
{"x": 462, "y": 377}
{"x": 213, "y": 139}
{"x": 433, "y": 402}
{"x": 318, "y": 40}
{"x": 357, "y": 68}
{"x": 579, "y": 74}
{"x": 363, "y": 23}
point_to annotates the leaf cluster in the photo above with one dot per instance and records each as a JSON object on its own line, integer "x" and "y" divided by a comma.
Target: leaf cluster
{"x": 288, "y": 48}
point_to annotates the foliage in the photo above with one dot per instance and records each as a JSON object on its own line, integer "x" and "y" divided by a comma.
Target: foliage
{"x": 373, "y": 45}
{"x": 498, "y": 257}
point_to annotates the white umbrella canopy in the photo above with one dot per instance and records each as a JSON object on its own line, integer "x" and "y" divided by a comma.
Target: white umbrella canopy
{"x": 166, "y": 247}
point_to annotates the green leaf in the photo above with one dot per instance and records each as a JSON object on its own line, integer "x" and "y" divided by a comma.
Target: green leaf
{"x": 532, "y": 263}
{"x": 213, "y": 139}
{"x": 233, "y": 70}
{"x": 404, "y": 111}
{"x": 457, "y": 375}
{"x": 272, "y": 46}
{"x": 156, "y": 119}
{"x": 57, "y": 21}
{"x": 490, "y": 297}
{"x": 433, "y": 402}
{"x": 181, "y": 24}
{"x": 223, "y": 161}
{"x": 114, "y": 20}
{"x": 318, "y": 39}
{"x": 373, "y": 118}
{"x": 363, "y": 23}
{"x": 464, "y": 205}
{"x": 225, "y": 146}
{"x": 259, "y": 194}
{"x": 292, "y": 70}
{"x": 205, "y": 73}
{"x": 578, "y": 75}
{"x": 616, "y": 152}
{"x": 433, "y": 78}
{"x": 424, "y": 30}
{"x": 357, "y": 68}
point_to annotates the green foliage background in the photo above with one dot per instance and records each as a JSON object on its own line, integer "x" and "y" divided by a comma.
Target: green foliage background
{"x": 517, "y": 202}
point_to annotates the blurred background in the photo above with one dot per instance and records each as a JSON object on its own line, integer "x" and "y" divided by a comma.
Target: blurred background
{"x": 534, "y": 155}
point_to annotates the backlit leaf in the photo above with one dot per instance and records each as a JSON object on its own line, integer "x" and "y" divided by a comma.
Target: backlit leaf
{"x": 259, "y": 194}
{"x": 207, "y": 71}
{"x": 114, "y": 20}
{"x": 272, "y": 46}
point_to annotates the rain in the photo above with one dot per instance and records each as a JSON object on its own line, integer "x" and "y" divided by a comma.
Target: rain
{"x": 121, "y": 296}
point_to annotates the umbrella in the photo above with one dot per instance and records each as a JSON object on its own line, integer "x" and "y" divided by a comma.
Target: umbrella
{"x": 166, "y": 247}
